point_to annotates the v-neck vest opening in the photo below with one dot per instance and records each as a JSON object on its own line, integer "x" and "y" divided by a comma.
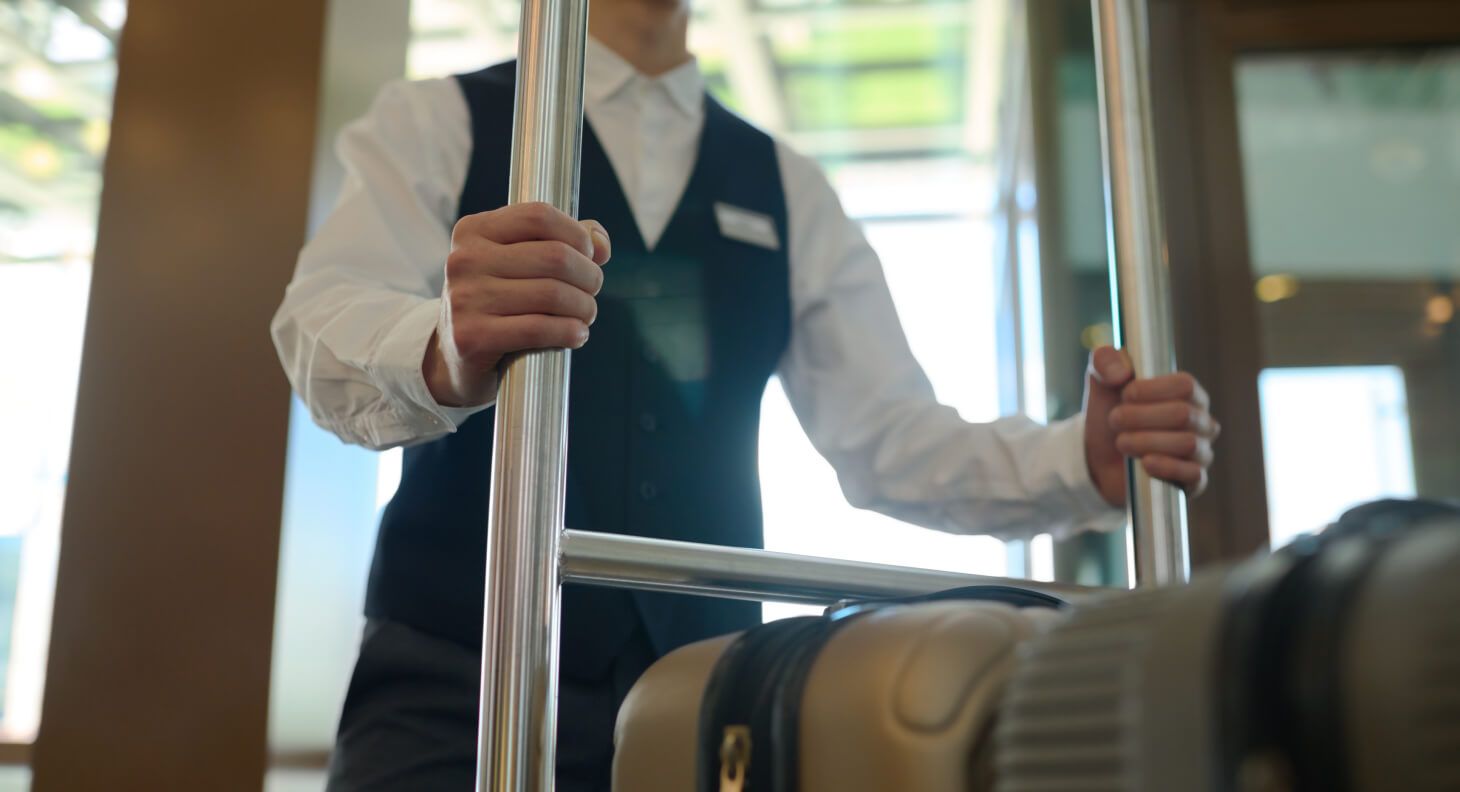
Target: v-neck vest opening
{"x": 597, "y": 167}
{"x": 664, "y": 400}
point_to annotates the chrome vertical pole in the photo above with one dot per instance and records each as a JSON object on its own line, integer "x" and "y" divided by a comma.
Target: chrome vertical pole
{"x": 518, "y": 717}
{"x": 1139, "y": 269}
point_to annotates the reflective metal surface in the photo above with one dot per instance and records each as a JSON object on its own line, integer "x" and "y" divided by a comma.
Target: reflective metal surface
{"x": 529, "y": 466}
{"x": 1138, "y": 265}
{"x": 737, "y": 573}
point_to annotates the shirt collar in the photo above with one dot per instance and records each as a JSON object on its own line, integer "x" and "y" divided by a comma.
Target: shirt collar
{"x": 607, "y": 73}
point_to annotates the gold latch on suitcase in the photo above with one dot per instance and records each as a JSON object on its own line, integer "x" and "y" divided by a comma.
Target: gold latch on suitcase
{"x": 734, "y": 758}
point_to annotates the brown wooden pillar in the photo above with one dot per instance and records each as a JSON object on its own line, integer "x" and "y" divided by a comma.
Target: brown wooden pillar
{"x": 159, "y": 662}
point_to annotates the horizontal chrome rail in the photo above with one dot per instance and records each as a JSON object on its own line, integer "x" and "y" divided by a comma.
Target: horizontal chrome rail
{"x": 737, "y": 573}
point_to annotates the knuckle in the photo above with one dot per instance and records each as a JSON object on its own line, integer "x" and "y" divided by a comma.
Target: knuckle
{"x": 462, "y": 229}
{"x": 456, "y": 303}
{"x": 465, "y": 341}
{"x": 494, "y": 302}
{"x": 559, "y": 260}
{"x": 537, "y": 214}
{"x": 556, "y": 299}
{"x": 1186, "y": 384}
{"x": 458, "y": 263}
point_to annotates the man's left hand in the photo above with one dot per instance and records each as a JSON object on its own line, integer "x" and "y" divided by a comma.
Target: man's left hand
{"x": 1164, "y": 422}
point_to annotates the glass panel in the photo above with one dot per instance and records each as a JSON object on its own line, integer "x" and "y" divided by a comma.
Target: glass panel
{"x": 1352, "y": 166}
{"x": 907, "y": 108}
{"x": 57, "y": 69}
{"x": 1314, "y": 472}
{"x": 1065, "y": 300}
{"x": 289, "y": 780}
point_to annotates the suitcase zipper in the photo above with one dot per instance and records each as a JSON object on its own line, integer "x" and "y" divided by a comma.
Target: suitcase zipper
{"x": 738, "y": 708}
{"x": 734, "y": 758}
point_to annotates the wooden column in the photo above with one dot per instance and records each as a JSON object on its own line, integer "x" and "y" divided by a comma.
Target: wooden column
{"x": 159, "y": 663}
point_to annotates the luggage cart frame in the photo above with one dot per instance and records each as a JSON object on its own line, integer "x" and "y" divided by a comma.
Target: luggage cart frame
{"x": 530, "y": 556}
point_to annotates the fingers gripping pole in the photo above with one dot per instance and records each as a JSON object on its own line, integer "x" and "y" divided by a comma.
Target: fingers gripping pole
{"x": 518, "y": 717}
{"x": 1139, "y": 273}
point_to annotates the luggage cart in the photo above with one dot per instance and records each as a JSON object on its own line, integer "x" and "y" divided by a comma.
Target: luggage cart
{"x": 530, "y": 555}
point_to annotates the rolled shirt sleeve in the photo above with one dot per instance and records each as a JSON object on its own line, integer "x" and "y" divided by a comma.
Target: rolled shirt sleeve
{"x": 355, "y": 321}
{"x": 869, "y": 409}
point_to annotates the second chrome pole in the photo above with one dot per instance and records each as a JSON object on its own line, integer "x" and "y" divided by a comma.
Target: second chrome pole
{"x": 518, "y": 718}
{"x": 1139, "y": 268}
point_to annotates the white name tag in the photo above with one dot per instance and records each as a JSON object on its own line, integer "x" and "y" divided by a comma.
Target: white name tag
{"x": 743, "y": 225}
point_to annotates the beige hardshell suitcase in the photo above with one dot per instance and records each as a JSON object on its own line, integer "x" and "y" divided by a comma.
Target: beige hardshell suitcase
{"x": 900, "y": 697}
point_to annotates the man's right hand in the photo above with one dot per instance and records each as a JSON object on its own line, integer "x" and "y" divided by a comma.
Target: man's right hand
{"x": 518, "y": 278}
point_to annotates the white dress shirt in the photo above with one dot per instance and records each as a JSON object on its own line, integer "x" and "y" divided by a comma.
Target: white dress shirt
{"x": 355, "y": 321}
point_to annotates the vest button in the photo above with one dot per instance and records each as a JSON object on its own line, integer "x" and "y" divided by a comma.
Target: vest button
{"x": 648, "y": 491}
{"x": 648, "y": 422}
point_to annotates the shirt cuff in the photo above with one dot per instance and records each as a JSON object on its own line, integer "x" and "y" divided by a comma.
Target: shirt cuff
{"x": 398, "y": 370}
{"x": 1088, "y": 508}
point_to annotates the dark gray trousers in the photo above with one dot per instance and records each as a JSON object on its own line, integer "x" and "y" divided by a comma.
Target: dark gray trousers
{"x": 410, "y": 717}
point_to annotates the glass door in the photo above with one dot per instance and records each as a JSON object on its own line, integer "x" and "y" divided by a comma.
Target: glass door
{"x": 1351, "y": 161}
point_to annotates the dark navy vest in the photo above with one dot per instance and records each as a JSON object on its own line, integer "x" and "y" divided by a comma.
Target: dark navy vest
{"x": 664, "y": 410}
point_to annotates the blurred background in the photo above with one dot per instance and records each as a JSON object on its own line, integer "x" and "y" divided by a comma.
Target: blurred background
{"x": 1311, "y": 169}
